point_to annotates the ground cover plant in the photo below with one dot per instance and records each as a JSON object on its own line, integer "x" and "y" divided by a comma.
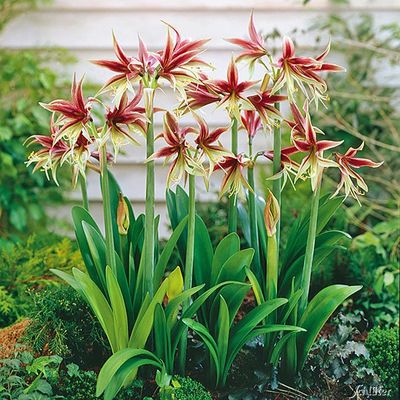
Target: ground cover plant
{"x": 149, "y": 308}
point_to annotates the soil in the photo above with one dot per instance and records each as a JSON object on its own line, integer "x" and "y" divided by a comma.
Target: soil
{"x": 9, "y": 338}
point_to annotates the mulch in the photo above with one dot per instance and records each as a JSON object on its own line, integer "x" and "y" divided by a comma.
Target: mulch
{"x": 9, "y": 338}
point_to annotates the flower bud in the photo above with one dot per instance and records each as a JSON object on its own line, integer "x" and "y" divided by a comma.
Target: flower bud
{"x": 175, "y": 283}
{"x": 122, "y": 216}
{"x": 271, "y": 214}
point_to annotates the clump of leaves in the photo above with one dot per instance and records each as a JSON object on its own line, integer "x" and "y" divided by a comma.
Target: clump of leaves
{"x": 24, "y": 78}
{"x": 25, "y": 266}
{"x": 27, "y": 378}
{"x": 189, "y": 389}
{"x": 339, "y": 360}
{"x": 373, "y": 261}
{"x": 383, "y": 346}
{"x": 62, "y": 323}
{"x": 77, "y": 384}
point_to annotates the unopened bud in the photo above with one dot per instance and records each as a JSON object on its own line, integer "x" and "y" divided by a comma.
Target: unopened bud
{"x": 122, "y": 216}
{"x": 271, "y": 214}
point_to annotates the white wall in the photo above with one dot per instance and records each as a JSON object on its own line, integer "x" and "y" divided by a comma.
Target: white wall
{"x": 84, "y": 27}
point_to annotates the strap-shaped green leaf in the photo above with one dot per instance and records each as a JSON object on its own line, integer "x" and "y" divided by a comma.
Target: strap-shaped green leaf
{"x": 118, "y": 308}
{"x": 258, "y": 293}
{"x": 226, "y": 248}
{"x": 234, "y": 267}
{"x": 223, "y": 328}
{"x": 167, "y": 252}
{"x": 318, "y": 311}
{"x": 99, "y": 305}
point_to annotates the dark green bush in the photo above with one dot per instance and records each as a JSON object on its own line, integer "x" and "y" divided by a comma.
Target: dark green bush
{"x": 190, "y": 390}
{"x": 383, "y": 346}
{"x": 76, "y": 384}
{"x": 26, "y": 266}
{"x": 62, "y": 323}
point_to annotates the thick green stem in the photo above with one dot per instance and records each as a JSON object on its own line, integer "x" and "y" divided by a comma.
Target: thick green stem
{"x": 149, "y": 208}
{"x": 188, "y": 266}
{"x": 253, "y": 217}
{"x": 110, "y": 252}
{"x": 85, "y": 200}
{"x": 277, "y": 183}
{"x": 232, "y": 210}
{"x": 309, "y": 256}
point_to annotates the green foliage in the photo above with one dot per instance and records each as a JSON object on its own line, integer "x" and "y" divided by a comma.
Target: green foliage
{"x": 62, "y": 323}
{"x": 189, "y": 389}
{"x": 26, "y": 266}
{"x": 373, "y": 261}
{"x": 10, "y": 8}
{"x": 77, "y": 384}
{"x": 338, "y": 360}
{"x": 27, "y": 378}
{"x": 383, "y": 346}
{"x": 24, "y": 78}
{"x": 365, "y": 107}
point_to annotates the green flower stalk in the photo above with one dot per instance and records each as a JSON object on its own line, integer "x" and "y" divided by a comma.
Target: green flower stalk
{"x": 232, "y": 207}
{"x": 83, "y": 185}
{"x": 277, "y": 183}
{"x": 189, "y": 265}
{"x": 309, "y": 255}
{"x": 149, "y": 208}
{"x": 105, "y": 186}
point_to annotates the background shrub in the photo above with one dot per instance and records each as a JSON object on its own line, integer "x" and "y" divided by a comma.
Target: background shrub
{"x": 383, "y": 346}
{"x": 62, "y": 323}
{"x": 190, "y": 390}
{"x": 26, "y": 266}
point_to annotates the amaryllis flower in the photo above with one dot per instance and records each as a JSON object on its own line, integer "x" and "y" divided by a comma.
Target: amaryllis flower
{"x": 264, "y": 102}
{"x": 179, "y": 59}
{"x": 253, "y": 47}
{"x": 73, "y": 115}
{"x": 289, "y": 167}
{"x": 198, "y": 95}
{"x": 231, "y": 90}
{"x": 233, "y": 181}
{"x": 302, "y": 72}
{"x": 347, "y": 162}
{"x": 208, "y": 143}
{"x": 124, "y": 119}
{"x": 177, "y": 149}
{"x": 313, "y": 164}
{"x": 128, "y": 70}
{"x": 299, "y": 123}
{"x": 251, "y": 122}
{"x": 53, "y": 153}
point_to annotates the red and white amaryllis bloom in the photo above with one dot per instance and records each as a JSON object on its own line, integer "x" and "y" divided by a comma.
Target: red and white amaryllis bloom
{"x": 72, "y": 115}
{"x": 179, "y": 61}
{"x": 354, "y": 184}
{"x": 124, "y": 119}
{"x": 251, "y": 123}
{"x": 198, "y": 94}
{"x": 289, "y": 167}
{"x": 207, "y": 142}
{"x": 178, "y": 150}
{"x": 253, "y": 47}
{"x": 314, "y": 162}
{"x": 53, "y": 153}
{"x": 302, "y": 72}
{"x": 264, "y": 103}
{"x": 234, "y": 180}
{"x": 231, "y": 91}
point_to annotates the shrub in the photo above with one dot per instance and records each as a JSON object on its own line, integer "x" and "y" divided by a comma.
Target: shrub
{"x": 190, "y": 390}
{"x": 62, "y": 323}
{"x": 383, "y": 346}
{"x": 26, "y": 266}
{"x": 77, "y": 384}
